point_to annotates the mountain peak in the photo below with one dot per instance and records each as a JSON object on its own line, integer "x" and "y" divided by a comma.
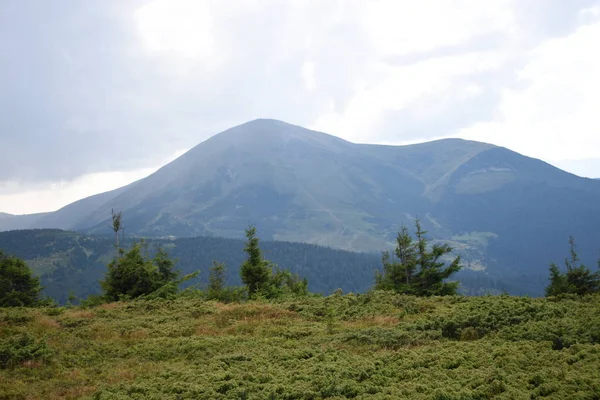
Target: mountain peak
{"x": 272, "y": 132}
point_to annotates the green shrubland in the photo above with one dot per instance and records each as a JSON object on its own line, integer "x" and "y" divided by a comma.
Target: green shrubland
{"x": 377, "y": 345}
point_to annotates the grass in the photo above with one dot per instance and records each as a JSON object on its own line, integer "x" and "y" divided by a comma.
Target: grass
{"x": 369, "y": 346}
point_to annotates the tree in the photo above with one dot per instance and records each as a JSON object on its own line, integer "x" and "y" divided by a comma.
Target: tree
{"x": 255, "y": 271}
{"x": 135, "y": 274}
{"x": 116, "y": 227}
{"x": 216, "y": 281}
{"x": 18, "y": 286}
{"x": 398, "y": 275}
{"x": 265, "y": 278}
{"x": 165, "y": 265}
{"x": 284, "y": 281}
{"x": 578, "y": 279}
{"x": 418, "y": 268}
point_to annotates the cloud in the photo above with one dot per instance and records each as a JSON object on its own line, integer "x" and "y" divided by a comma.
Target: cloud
{"x": 587, "y": 167}
{"x": 19, "y": 198}
{"x": 101, "y": 87}
{"x": 553, "y": 113}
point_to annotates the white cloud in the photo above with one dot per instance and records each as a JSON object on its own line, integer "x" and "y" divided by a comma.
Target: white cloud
{"x": 588, "y": 168}
{"x": 553, "y": 115}
{"x": 308, "y": 75}
{"x": 396, "y": 87}
{"x": 182, "y": 26}
{"x": 398, "y": 27}
{"x": 17, "y": 198}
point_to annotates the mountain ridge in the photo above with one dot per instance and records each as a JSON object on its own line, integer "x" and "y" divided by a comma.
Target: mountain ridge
{"x": 500, "y": 209}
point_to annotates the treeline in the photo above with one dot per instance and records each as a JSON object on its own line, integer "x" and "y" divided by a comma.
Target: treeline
{"x": 414, "y": 267}
{"x": 71, "y": 262}
{"x": 134, "y": 273}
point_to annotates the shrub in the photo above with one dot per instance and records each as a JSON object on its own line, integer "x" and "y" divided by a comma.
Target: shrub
{"x": 18, "y": 286}
{"x": 21, "y": 348}
{"x": 135, "y": 274}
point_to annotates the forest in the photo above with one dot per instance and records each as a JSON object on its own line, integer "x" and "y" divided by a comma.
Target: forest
{"x": 72, "y": 262}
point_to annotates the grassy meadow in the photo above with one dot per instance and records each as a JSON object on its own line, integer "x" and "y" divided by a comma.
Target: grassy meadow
{"x": 369, "y": 346}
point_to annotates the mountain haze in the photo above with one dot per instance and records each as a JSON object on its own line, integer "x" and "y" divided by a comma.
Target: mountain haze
{"x": 503, "y": 211}
{"x": 10, "y": 222}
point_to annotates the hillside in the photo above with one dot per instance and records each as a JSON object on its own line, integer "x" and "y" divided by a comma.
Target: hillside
{"x": 10, "y": 222}
{"x": 70, "y": 261}
{"x": 374, "y": 346}
{"x": 506, "y": 214}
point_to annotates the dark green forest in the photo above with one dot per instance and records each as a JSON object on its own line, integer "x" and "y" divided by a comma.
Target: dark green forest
{"x": 72, "y": 262}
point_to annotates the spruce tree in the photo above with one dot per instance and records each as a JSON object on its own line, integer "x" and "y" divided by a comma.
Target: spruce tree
{"x": 417, "y": 269}
{"x": 18, "y": 286}
{"x": 117, "y": 226}
{"x": 135, "y": 274}
{"x": 165, "y": 265}
{"x": 216, "y": 281}
{"x": 255, "y": 272}
{"x": 577, "y": 279}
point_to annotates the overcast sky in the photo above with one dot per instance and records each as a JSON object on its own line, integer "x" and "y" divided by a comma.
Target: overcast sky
{"x": 97, "y": 93}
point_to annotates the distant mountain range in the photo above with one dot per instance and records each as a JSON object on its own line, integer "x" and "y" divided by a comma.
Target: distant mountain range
{"x": 506, "y": 213}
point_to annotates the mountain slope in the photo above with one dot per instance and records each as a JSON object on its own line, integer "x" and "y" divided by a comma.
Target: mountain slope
{"x": 296, "y": 184}
{"x": 73, "y": 214}
{"x": 502, "y": 211}
{"x": 9, "y": 221}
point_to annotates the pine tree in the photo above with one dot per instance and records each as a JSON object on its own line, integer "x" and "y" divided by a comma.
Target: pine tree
{"x": 265, "y": 278}
{"x": 417, "y": 269}
{"x": 165, "y": 265}
{"x": 117, "y": 226}
{"x": 18, "y": 286}
{"x": 216, "y": 281}
{"x": 255, "y": 272}
{"x": 135, "y": 274}
{"x": 577, "y": 279}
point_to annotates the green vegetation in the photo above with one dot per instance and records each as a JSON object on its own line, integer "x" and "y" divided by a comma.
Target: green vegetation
{"x": 218, "y": 289}
{"x": 255, "y": 271}
{"x": 216, "y": 281}
{"x": 272, "y": 339}
{"x": 18, "y": 286}
{"x": 264, "y": 278}
{"x": 419, "y": 269}
{"x": 135, "y": 274}
{"x": 577, "y": 279}
{"x": 69, "y": 261}
{"x": 377, "y": 345}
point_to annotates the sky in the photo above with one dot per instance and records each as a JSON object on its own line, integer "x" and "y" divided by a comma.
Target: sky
{"x": 96, "y": 94}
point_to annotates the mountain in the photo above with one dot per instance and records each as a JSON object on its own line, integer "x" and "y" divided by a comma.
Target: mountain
{"x": 75, "y": 214}
{"x": 504, "y": 212}
{"x": 70, "y": 261}
{"x": 10, "y": 222}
